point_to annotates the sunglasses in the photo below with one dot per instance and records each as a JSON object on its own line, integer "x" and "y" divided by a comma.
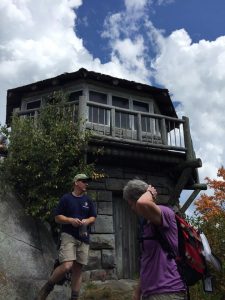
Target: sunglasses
{"x": 84, "y": 180}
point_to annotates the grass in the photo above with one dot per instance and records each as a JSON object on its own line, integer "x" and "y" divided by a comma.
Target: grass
{"x": 94, "y": 292}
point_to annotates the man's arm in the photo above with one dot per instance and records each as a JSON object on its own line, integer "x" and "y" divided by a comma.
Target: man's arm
{"x": 88, "y": 221}
{"x": 65, "y": 220}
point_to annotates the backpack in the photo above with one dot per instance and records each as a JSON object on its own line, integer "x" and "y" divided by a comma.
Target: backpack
{"x": 190, "y": 261}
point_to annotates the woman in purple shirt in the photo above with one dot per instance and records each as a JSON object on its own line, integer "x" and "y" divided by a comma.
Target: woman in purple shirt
{"x": 159, "y": 276}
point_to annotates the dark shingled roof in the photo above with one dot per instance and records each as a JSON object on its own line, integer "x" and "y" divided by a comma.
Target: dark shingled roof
{"x": 160, "y": 95}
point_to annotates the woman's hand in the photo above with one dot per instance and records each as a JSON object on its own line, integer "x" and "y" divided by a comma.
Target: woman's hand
{"x": 152, "y": 191}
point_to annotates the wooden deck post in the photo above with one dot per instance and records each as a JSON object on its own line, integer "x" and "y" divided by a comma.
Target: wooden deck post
{"x": 112, "y": 122}
{"x": 139, "y": 130}
{"x": 82, "y": 117}
{"x": 187, "y": 139}
{"x": 186, "y": 168}
{"x": 82, "y": 113}
{"x": 164, "y": 132}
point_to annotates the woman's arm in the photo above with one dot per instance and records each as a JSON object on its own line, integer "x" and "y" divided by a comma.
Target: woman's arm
{"x": 147, "y": 208}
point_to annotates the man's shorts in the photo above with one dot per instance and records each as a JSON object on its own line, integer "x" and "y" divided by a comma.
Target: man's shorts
{"x": 73, "y": 249}
{"x": 167, "y": 296}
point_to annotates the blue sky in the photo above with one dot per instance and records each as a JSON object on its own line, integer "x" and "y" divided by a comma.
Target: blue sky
{"x": 203, "y": 19}
{"x": 175, "y": 44}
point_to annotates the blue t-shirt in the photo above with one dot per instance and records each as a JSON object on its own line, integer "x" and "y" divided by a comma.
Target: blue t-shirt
{"x": 75, "y": 207}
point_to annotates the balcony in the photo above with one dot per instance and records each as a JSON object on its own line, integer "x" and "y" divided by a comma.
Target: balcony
{"x": 109, "y": 122}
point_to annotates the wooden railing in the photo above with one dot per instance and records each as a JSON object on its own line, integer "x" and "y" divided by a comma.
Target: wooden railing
{"x": 123, "y": 124}
{"x": 119, "y": 123}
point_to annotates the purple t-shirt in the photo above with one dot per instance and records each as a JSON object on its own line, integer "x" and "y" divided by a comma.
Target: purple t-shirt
{"x": 159, "y": 274}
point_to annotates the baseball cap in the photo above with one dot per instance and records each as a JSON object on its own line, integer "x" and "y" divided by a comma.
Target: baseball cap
{"x": 81, "y": 177}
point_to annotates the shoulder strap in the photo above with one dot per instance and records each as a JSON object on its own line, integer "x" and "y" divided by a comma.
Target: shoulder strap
{"x": 164, "y": 243}
{"x": 159, "y": 236}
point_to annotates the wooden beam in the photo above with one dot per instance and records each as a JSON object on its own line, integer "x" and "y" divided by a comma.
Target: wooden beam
{"x": 191, "y": 163}
{"x": 197, "y": 186}
{"x": 164, "y": 132}
{"x": 182, "y": 181}
{"x": 187, "y": 139}
{"x": 189, "y": 201}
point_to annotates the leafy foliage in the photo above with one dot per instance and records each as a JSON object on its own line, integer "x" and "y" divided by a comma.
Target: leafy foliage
{"x": 210, "y": 217}
{"x": 211, "y": 206}
{"x": 44, "y": 154}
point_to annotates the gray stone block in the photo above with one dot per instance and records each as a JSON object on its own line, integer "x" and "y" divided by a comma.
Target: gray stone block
{"x": 105, "y": 196}
{"x": 94, "y": 260}
{"x": 108, "y": 259}
{"x": 102, "y": 241}
{"x": 105, "y": 208}
{"x": 103, "y": 224}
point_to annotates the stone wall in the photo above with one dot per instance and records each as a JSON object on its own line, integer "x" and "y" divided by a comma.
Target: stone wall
{"x": 27, "y": 253}
{"x": 101, "y": 264}
{"x": 103, "y": 252}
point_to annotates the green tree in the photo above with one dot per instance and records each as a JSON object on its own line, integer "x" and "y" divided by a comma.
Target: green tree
{"x": 44, "y": 153}
{"x": 210, "y": 217}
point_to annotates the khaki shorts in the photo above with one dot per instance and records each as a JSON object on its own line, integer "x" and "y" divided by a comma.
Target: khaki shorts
{"x": 167, "y": 296}
{"x": 72, "y": 249}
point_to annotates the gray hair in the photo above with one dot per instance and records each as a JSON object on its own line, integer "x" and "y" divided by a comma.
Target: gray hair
{"x": 134, "y": 189}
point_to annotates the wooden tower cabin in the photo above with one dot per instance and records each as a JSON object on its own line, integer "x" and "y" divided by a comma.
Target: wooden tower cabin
{"x": 142, "y": 138}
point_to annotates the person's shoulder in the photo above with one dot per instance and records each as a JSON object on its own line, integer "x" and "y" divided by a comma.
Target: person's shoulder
{"x": 66, "y": 196}
{"x": 167, "y": 209}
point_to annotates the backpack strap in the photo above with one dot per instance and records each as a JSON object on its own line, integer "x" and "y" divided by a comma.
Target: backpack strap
{"x": 141, "y": 237}
{"x": 158, "y": 236}
{"x": 164, "y": 243}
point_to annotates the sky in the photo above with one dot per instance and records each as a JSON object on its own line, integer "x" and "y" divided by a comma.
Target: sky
{"x": 174, "y": 44}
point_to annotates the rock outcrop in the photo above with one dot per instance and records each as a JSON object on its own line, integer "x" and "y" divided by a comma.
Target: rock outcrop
{"x": 27, "y": 253}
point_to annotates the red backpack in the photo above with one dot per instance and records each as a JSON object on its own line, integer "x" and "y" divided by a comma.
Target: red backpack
{"x": 191, "y": 261}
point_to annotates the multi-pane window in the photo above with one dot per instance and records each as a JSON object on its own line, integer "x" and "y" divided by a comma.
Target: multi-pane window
{"x": 122, "y": 119}
{"x": 74, "y": 96}
{"x": 33, "y": 104}
{"x": 98, "y": 97}
{"x": 100, "y": 114}
{"x": 145, "y": 121}
{"x": 140, "y": 106}
{"x": 96, "y": 114}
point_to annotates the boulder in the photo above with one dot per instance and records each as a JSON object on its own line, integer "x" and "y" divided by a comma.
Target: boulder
{"x": 27, "y": 253}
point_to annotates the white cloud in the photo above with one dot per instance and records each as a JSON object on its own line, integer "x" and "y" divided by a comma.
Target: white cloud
{"x": 195, "y": 75}
{"x": 164, "y": 2}
{"x": 135, "y": 5}
{"x": 37, "y": 41}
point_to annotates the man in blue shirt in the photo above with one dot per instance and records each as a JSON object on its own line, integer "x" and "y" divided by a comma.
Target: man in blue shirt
{"x": 75, "y": 212}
